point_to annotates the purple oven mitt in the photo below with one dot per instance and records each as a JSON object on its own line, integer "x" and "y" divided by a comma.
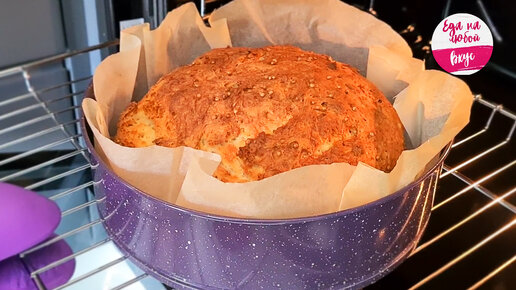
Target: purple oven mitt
{"x": 15, "y": 273}
{"x": 26, "y": 219}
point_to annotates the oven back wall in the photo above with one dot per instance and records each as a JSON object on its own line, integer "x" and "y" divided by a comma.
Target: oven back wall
{"x": 29, "y": 31}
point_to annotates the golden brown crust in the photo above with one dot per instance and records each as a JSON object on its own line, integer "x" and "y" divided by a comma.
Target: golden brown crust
{"x": 265, "y": 111}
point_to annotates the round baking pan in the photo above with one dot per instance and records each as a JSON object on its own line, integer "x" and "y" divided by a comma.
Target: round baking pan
{"x": 184, "y": 248}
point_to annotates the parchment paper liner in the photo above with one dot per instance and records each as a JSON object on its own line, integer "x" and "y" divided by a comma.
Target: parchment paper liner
{"x": 432, "y": 105}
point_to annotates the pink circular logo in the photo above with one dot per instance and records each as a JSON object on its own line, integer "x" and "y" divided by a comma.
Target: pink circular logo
{"x": 462, "y": 44}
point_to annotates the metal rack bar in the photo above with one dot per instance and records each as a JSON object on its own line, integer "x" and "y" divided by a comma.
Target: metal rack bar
{"x": 493, "y": 273}
{"x": 474, "y": 184}
{"x": 15, "y": 99}
{"x": 465, "y": 254}
{"x": 71, "y": 190}
{"x": 92, "y": 272}
{"x": 469, "y": 138}
{"x": 497, "y": 107}
{"x": 28, "y": 95}
{"x": 485, "y": 192}
{"x": 20, "y": 111}
{"x": 130, "y": 282}
{"x": 473, "y": 159}
{"x": 58, "y": 176}
{"x": 30, "y": 89}
{"x": 38, "y": 282}
{"x": 41, "y": 165}
{"x": 62, "y": 236}
{"x": 471, "y": 184}
{"x": 65, "y": 84}
{"x": 63, "y": 97}
{"x": 462, "y": 222}
{"x": 38, "y": 149}
{"x": 37, "y": 134}
{"x": 79, "y": 207}
{"x": 68, "y": 258}
{"x": 37, "y": 106}
{"x": 58, "y": 57}
{"x": 35, "y": 120}
{"x": 513, "y": 128}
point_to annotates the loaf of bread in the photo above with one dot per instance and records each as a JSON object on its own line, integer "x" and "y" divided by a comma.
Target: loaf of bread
{"x": 266, "y": 111}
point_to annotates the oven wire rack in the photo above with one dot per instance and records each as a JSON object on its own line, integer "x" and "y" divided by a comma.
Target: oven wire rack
{"x": 74, "y": 167}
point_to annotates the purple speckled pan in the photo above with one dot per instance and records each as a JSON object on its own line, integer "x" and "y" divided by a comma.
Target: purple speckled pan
{"x": 185, "y": 248}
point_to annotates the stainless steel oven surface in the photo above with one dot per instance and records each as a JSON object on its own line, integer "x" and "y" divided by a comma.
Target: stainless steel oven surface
{"x": 48, "y": 54}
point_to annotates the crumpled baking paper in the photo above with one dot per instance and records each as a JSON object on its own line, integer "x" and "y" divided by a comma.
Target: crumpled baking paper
{"x": 432, "y": 105}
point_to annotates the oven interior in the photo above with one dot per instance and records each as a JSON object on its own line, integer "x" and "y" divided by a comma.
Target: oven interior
{"x": 469, "y": 241}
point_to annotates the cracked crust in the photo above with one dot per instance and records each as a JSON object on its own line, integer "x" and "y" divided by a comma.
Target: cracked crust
{"x": 266, "y": 111}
